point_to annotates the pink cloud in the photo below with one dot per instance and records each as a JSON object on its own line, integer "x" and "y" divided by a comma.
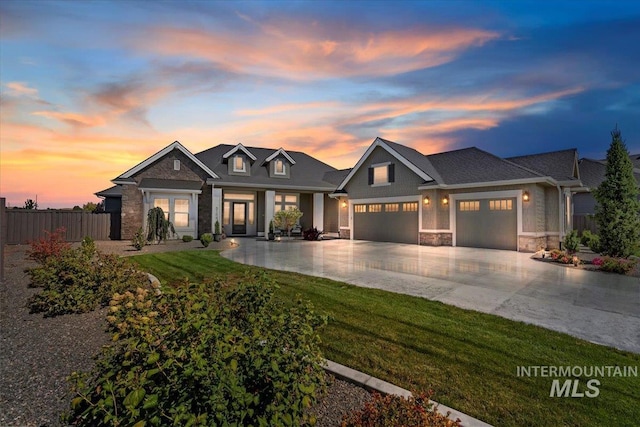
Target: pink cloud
{"x": 21, "y": 88}
{"x": 306, "y": 52}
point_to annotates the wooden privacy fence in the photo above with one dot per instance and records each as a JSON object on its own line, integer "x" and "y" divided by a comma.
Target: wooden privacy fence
{"x": 26, "y": 225}
{"x": 584, "y": 222}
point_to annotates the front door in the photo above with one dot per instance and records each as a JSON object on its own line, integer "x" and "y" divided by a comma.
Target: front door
{"x": 239, "y": 221}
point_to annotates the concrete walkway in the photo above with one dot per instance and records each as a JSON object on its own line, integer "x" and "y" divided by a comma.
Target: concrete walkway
{"x": 599, "y": 307}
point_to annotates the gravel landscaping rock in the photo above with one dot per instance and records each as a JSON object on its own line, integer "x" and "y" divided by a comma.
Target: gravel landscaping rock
{"x": 37, "y": 353}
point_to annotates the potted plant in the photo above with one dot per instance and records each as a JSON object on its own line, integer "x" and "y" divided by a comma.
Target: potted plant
{"x": 271, "y": 235}
{"x": 216, "y": 231}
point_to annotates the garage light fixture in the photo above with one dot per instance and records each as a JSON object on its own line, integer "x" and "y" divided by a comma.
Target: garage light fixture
{"x": 445, "y": 200}
{"x": 525, "y": 196}
{"x": 344, "y": 204}
{"x": 426, "y": 200}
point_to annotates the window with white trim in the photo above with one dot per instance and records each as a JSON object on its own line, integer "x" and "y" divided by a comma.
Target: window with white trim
{"x": 176, "y": 165}
{"x": 469, "y": 205}
{"x": 501, "y": 205}
{"x": 181, "y": 213}
{"x": 279, "y": 167}
{"x": 285, "y": 202}
{"x": 164, "y": 204}
{"x": 381, "y": 174}
{"x": 239, "y": 164}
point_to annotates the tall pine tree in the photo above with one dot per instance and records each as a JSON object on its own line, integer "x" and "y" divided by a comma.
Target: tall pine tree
{"x": 618, "y": 208}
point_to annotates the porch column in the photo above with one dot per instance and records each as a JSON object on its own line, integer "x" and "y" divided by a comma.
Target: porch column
{"x": 318, "y": 211}
{"x": 216, "y": 207}
{"x": 269, "y": 204}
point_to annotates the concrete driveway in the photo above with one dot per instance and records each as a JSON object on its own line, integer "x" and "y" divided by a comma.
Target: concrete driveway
{"x": 599, "y": 307}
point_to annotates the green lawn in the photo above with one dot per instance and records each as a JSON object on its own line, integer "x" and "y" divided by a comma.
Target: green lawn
{"x": 470, "y": 359}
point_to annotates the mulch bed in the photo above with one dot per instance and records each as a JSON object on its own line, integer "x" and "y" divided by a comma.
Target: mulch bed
{"x": 39, "y": 353}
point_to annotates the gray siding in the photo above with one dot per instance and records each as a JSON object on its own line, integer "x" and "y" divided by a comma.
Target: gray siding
{"x": 331, "y": 213}
{"x": 406, "y": 181}
{"x": 306, "y": 206}
{"x": 584, "y": 204}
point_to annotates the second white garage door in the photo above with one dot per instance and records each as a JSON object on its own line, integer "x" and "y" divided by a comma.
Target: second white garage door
{"x": 386, "y": 222}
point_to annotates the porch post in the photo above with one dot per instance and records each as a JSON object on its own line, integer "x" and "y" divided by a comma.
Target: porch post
{"x": 269, "y": 202}
{"x": 318, "y": 211}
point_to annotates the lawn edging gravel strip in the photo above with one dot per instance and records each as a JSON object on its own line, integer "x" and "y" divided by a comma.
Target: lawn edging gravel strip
{"x": 375, "y": 384}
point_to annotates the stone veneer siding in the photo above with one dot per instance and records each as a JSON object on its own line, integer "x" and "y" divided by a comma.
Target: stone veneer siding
{"x": 436, "y": 239}
{"x": 345, "y": 233}
{"x": 132, "y": 203}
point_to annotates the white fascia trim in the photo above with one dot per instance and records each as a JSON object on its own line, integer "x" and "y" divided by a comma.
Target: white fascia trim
{"x": 169, "y": 190}
{"x": 386, "y": 199}
{"x": 338, "y": 195}
{"x": 454, "y": 197}
{"x": 236, "y": 148}
{"x": 545, "y": 179}
{"x": 162, "y": 153}
{"x": 123, "y": 181}
{"x": 275, "y": 186}
{"x": 394, "y": 153}
{"x": 284, "y": 153}
{"x": 570, "y": 183}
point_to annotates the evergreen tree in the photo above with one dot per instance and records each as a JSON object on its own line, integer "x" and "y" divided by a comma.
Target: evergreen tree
{"x": 618, "y": 207}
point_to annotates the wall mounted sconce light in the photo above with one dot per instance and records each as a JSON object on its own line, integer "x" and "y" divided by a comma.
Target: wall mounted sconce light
{"x": 426, "y": 200}
{"x": 525, "y": 196}
{"x": 344, "y": 204}
{"x": 445, "y": 200}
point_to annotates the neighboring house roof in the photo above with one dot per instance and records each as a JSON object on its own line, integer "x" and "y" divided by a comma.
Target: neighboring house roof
{"x": 592, "y": 172}
{"x": 472, "y": 165}
{"x": 115, "y": 191}
{"x": 306, "y": 172}
{"x": 337, "y": 176}
{"x": 635, "y": 159}
{"x": 169, "y": 184}
{"x": 157, "y": 156}
{"x": 559, "y": 165}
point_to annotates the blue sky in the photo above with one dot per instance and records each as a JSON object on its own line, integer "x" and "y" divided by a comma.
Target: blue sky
{"x": 89, "y": 89}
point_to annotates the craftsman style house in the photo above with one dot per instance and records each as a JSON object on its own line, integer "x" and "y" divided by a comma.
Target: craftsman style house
{"x": 465, "y": 197}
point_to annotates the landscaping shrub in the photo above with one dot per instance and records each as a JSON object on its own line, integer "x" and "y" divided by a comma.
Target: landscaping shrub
{"x": 616, "y": 265}
{"x": 158, "y": 227}
{"x": 311, "y": 234}
{"x": 206, "y": 239}
{"x": 590, "y": 240}
{"x": 139, "y": 240}
{"x": 222, "y": 353}
{"x": 187, "y": 238}
{"x": 52, "y": 245}
{"x": 80, "y": 280}
{"x": 572, "y": 242}
{"x": 393, "y": 411}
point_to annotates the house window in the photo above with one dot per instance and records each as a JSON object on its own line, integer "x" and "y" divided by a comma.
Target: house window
{"x": 471, "y": 205}
{"x": 381, "y": 174}
{"x": 375, "y": 208}
{"x": 410, "y": 207}
{"x": 164, "y": 204}
{"x": 360, "y": 208}
{"x": 176, "y": 165}
{"x": 181, "y": 213}
{"x": 285, "y": 202}
{"x": 501, "y": 205}
{"x": 279, "y": 167}
{"x": 239, "y": 165}
{"x": 391, "y": 207}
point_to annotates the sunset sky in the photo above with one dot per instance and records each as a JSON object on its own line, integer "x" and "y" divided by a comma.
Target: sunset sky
{"x": 90, "y": 89}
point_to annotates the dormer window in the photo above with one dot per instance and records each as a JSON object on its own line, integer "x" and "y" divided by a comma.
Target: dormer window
{"x": 279, "y": 167}
{"x": 239, "y": 164}
{"x": 381, "y": 174}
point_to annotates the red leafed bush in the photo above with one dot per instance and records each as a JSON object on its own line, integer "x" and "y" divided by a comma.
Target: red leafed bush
{"x": 393, "y": 411}
{"x": 597, "y": 261}
{"x": 52, "y": 245}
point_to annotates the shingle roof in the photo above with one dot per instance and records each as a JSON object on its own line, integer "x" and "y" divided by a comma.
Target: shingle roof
{"x": 308, "y": 172}
{"x": 557, "y": 164}
{"x": 337, "y": 176}
{"x": 592, "y": 172}
{"x": 415, "y": 157}
{"x": 115, "y": 191}
{"x": 472, "y": 165}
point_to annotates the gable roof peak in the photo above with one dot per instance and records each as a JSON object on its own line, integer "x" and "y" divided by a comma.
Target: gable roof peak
{"x": 283, "y": 153}
{"x": 175, "y": 145}
{"x": 239, "y": 147}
